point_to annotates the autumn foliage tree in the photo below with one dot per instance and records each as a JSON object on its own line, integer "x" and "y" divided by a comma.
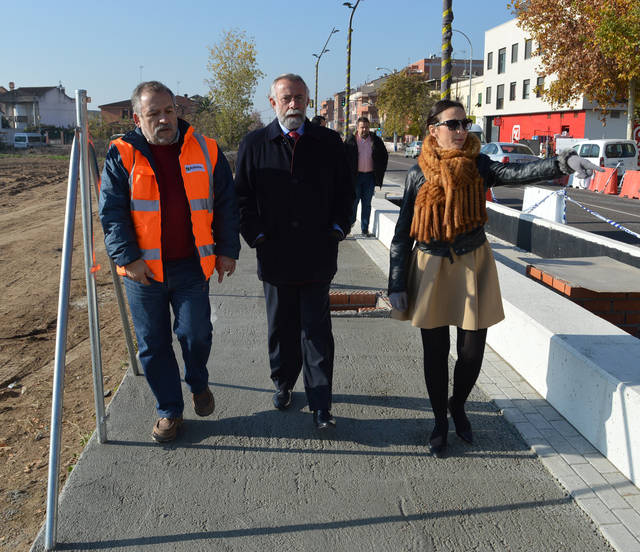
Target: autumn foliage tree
{"x": 234, "y": 76}
{"x": 404, "y": 101}
{"x": 591, "y": 46}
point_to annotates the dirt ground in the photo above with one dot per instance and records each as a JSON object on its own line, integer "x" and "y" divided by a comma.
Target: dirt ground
{"x": 33, "y": 189}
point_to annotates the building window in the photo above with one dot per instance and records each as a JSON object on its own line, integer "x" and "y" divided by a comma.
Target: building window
{"x": 514, "y": 52}
{"x": 528, "y": 47}
{"x": 479, "y": 99}
{"x": 526, "y": 88}
{"x": 539, "y": 87}
{"x": 489, "y": 60}
{"x": 614, "y": 115}
{"x": 500, "y": 96}
{"x": 502, "y": 58}
{"x": 487, "y": 96}
{"x": 512, "y": 92}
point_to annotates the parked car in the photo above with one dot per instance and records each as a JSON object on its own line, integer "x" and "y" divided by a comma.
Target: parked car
{"x": 413, "y": 149}
{"x": 507, "y": 152}
{"x": 609, "y": 152}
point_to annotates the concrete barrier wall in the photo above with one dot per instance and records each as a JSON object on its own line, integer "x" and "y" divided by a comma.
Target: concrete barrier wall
{"x": 585, "y": 367}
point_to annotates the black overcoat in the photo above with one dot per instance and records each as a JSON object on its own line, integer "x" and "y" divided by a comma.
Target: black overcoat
{"x": 294, "y": 196}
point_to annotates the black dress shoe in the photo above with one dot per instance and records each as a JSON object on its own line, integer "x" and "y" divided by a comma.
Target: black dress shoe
{"x": 438, "y": 439}
{"x": 323, "y": 419}
{"x": 282, "y": 399}
{"x": 462, "y": 423}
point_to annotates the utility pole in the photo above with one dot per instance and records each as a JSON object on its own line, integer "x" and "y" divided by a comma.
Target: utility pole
{"x": 470, "y": 68}
{"x": 347, "y": 91}
{"x": 445, "y": 67}
{"x": 318, "y": 56}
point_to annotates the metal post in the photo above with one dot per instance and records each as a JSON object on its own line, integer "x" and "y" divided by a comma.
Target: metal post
{"x": 324, "y": 49}
{"x": 51, "y": 527}
{"x": 117, "y": 284}
{"x": 92, "y": 297}
{"x": 470, "y": 68}
{"x": 445, "y": 62}
{"x": 347, "y": 91}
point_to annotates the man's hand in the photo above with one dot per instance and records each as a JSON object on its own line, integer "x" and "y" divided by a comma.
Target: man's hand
{"x": 224, "y": 264}
{"x": 582, "y": 167}
{"x": 138, "y": 271}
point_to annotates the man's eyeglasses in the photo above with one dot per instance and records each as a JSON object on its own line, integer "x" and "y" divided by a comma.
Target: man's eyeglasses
{"x": 455, "y": 124}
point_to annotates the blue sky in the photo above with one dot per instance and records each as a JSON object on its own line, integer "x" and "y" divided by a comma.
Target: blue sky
{"x": 100, "y": 46}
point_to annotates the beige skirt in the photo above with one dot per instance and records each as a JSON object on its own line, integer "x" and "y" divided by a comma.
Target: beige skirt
{"x": 465, "y": 293}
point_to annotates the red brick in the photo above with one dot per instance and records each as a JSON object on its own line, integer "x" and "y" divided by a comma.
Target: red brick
{"x": 363, "y": 298}
{"x": 533, "y": 272}
{"x": 626, "y": 305}
{"x": 579, "y": 292}
{"x": 338, "y": 298}
{"x": 547, "y": 279}
{"x": 559, "y": 285}
{"x": 595, "y": 305}
{"x": 613, "y": 317}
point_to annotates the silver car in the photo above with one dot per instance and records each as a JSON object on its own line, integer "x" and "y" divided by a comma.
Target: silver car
{"x": 508, "y": 152}
{"x": 413, "y": 149}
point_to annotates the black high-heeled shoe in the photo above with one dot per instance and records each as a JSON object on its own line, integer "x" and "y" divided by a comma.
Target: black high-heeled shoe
{"x": 462, "y": 423}
{"x": 438, "y": 439}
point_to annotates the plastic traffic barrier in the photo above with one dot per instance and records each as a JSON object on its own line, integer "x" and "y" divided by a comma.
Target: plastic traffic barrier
{"x": 631, "y": 185}
{"x": 605, "y": 182}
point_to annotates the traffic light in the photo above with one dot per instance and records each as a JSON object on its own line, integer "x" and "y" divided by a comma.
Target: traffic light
{"x": 311, "y": 103}
{"x": 342, "y": 102}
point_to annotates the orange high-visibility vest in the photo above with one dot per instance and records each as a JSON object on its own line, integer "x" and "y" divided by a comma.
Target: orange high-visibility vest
{"x": 198, "y": 158}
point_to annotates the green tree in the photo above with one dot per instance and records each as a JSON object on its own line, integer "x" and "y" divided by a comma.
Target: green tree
{"x": 404, "y": 101}
{"x": 235, "y": 75}
{"x": 591, "y": 46}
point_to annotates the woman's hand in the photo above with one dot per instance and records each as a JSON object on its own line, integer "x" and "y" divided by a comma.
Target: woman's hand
{"x": 399, "y": 300}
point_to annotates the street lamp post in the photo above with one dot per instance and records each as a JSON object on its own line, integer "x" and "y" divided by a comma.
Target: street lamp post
{"x": 347, "y": 91}
{"x": 395, "y": 134}
{"x": 318, "y": 56}
{"x": 470, "y": 68}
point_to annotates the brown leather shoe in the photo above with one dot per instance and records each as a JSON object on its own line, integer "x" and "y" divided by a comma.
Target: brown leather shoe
{"x": 203, "y": 403}
{"x": 166, "y": 429}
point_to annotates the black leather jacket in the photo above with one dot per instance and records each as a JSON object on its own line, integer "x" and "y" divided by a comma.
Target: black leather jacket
{"x": 494, "y": 174}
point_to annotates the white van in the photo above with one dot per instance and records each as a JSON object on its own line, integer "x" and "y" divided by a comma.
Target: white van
{"x": 24, "y": 140}
{"x": 610, "y": 152}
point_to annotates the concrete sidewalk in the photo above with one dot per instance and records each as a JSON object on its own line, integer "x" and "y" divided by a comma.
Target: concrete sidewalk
{"x": 254, "y": 478}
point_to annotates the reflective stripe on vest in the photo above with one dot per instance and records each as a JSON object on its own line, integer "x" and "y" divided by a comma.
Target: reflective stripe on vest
{"x": 145, "y": 199}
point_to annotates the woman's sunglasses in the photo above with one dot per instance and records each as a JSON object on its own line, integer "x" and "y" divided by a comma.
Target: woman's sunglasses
{"x": 455, "y": 124}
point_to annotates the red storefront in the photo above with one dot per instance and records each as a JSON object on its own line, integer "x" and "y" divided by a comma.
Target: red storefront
{"x": 526, "y": 127}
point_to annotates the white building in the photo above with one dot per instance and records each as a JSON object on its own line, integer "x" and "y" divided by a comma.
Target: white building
{"x": 512, "y": 106}
{"x": 37, "y": 106}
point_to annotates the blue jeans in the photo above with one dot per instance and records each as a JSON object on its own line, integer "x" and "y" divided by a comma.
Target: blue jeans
{"x": 186, "y": 291}
{"x": 365, "y": 184}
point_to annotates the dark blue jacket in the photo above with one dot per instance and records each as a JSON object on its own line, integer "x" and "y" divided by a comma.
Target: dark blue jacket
{"x": 294, "y": 196}
{"x": 115, "y": 215}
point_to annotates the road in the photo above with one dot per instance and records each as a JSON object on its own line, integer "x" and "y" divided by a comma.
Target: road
{"x": 621, "y": 210}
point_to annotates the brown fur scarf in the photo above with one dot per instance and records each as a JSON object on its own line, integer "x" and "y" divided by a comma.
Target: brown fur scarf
{"x": 452, "y": 199}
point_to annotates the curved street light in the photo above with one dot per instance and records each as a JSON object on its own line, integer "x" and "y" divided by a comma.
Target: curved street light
{"x": 385, "y": 69}
{"x": 324, "y": 49}
{"x": 347, "y": 92}
{"x": 470, "y": 68}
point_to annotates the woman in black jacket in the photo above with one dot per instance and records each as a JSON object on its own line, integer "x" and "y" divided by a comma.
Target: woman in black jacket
{"x": 449, "y": 278}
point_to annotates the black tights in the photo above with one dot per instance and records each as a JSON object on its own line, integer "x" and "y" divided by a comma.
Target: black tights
{"x": 436, "y": 343}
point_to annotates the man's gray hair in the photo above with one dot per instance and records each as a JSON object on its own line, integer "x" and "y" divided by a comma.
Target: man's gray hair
{"x": 152, "y": 86}
{"x": 286, "y": 76}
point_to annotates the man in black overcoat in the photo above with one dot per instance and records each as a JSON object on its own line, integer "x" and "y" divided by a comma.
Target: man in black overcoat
{"x": 295, "y": 196}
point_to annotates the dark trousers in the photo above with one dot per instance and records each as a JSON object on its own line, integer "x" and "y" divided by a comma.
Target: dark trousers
{"x": 186, "y": 292}
{"x": 365, "y": 187}
{"x": 300, "y": 338}
{"x": 470, "y": 348}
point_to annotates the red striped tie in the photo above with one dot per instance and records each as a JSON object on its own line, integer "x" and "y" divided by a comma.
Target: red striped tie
{"x": 293, "y": 134}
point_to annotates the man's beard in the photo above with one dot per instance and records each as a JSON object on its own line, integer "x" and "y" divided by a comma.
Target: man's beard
{"x": 291, "y": 119}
